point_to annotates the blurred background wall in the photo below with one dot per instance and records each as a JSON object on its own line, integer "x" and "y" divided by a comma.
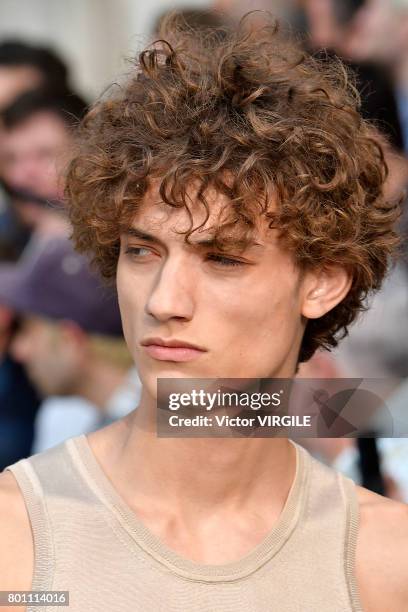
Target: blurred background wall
{"x": 93, "y": 36}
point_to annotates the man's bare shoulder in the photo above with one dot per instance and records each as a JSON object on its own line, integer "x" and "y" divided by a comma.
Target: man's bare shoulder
{"x": 17, "y": 550}
{"x": 382, "y": 552}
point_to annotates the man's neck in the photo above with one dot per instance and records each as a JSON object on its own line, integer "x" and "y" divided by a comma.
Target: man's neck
{"x": 192, "y": 476}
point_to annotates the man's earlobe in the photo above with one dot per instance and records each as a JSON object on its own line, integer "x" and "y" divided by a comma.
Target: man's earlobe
{"x": 324, "y": 289}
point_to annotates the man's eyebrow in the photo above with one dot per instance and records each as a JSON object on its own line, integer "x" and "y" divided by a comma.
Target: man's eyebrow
{"x": 137, "y": 233}
{"x": 133, "y": 232}
{"x": 205, "y": 242}
{"x": 210, "y": 242}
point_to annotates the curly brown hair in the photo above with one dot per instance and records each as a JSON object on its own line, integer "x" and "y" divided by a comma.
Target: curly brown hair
{"x": 248, "y": 113}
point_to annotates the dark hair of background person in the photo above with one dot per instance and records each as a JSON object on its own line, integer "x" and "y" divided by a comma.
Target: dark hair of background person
{"x": 66, "y": 104}
{"x": 378, "y": 102}
{"x": 249, "y": 114}
{"x": 14, "y": 52}
{"x": 369, "y": 463}
{"x": 377, "y": 98}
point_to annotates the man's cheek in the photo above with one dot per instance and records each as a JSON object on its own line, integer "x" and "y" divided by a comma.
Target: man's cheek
{"x": 127, "y": 309}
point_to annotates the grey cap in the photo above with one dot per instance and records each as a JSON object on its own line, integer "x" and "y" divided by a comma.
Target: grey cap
{"x": 53, "y": 281}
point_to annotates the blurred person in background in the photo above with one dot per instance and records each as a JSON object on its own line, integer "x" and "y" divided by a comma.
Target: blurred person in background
{"x": 37, "y": 137}
{"x": 19, "y": 402}
{"x": 24, "y": 67}
{"x": 379, "y": 33}
{"x": 330, "y": 26}
{"x": 69, "y": 340}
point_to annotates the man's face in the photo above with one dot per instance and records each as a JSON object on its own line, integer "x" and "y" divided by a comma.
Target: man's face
{"x": 242, "y": 310}
{"x": 51, "y": 362}
{"x": 31, "y": 154}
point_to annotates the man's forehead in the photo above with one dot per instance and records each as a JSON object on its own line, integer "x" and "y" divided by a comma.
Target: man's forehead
{"x": 154, "y": 211}
{"x": 161, "y": 219}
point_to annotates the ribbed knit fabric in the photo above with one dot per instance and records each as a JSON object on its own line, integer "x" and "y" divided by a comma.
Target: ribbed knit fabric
{"x": 89, "y": 542}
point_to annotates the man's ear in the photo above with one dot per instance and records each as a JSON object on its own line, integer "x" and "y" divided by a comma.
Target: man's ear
{"x": 324, "y": 288}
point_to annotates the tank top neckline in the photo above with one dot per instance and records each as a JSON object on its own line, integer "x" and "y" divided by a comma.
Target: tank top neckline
{"x": 91, "y": 471}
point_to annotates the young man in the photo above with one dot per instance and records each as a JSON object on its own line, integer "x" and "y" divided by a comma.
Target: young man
{"x": 236, "y": 195}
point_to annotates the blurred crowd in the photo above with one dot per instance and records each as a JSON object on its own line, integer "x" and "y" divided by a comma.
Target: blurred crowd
{"x": 64, "y": 366}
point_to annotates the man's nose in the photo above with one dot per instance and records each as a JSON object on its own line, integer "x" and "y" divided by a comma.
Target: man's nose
{"x": 172, "y": 295}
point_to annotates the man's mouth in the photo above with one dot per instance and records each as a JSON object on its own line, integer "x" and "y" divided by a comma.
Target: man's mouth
{"x": 172, "y": 349}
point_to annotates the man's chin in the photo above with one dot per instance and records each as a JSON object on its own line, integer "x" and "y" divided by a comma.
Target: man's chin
{"x": 149, "y": 380}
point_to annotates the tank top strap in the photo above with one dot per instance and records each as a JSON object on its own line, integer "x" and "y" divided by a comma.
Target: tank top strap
{"x": 349, "y": 493}
{"x": 35, "y": 503}
{"x": 333, "y": 508}
{"x": 44, "y": 478}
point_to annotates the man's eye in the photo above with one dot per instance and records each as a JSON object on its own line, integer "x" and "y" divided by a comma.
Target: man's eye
{"x": 139, "y": 252}
{"x": 224, "y": 261}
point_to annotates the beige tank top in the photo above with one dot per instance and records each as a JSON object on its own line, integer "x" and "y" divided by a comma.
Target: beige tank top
{"x": 89, "y": 542}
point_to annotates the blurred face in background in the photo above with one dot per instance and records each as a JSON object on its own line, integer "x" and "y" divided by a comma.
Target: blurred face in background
{"x": 379, "y": 32}
{"x": 15, "y": 80}
{"x": 51, "y": 353}
{"x": 32, "y": 155}
{"x": 360, "y": 30}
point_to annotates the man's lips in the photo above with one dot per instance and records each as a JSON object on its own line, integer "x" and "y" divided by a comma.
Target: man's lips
{"x": 171, "y": 350}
